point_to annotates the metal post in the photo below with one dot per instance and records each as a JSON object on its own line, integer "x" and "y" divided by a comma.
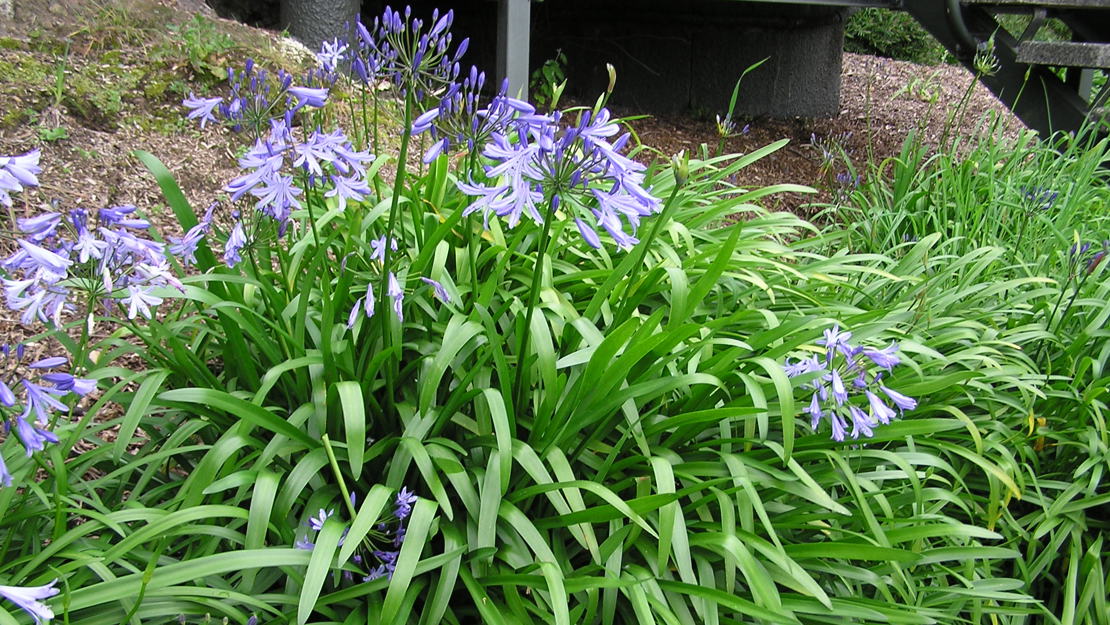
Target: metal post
{"x": 513, "y": 33}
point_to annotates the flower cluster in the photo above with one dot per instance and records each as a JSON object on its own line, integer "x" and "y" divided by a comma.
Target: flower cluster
{"x": 831, "y": 147}
{"x": 385, "y": 532}
{"x": 726, "y": 128}
{"x": 255, "y": 100}
{"x": 29, "y": 598}
{"x": 1079, "y": 256}
{"x": 398, "y": 50}
{"x": 279, "y": 168}
{"x": 846, "y": 372}
{"x": 29, "y": 397}
{"x": 573, "y": 166}
{"x": 1039, "y": 198}
{"x": 458, "y": 120}
{"x": 16, "y": 173}
{"x": 105, "y": 258}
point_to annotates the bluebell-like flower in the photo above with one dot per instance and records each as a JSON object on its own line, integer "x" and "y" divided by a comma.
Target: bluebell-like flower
{"x": 394, "y": 291}
{"x": 882, "y": 413}
{"x": 403, "y": 503}
{"x": 29, "y": 598}
{"x": 861, "y": 423}
{"x": 438, "y": 289}
{"x": 201, "y": 108}
{"x": 589, "y": 235}
{"x": 235, "y": 242}
{"x": 33, "y": 437}
{"x": 331, "y": 54}
{"x": 5, "y": 475}
{"x": 901, "y": 401}
{"x": 317, "y": 522}
{"x": 832, "y": 399}
{"x": 40, "y": 227}
{"x": 18, "y": 173}
{"x": 884, "y": 358}
{"x": 366, "y": 304}
{"x": 308, "y": 96}
{"x": 840, "y": 394}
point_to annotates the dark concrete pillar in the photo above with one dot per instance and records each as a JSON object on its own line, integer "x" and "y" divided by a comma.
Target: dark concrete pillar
{"x": 313, "y": 22}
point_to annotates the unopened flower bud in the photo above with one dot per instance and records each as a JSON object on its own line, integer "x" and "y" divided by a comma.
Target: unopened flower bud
{"x": 612, "y": 77}
{"x": 681, "y": 164}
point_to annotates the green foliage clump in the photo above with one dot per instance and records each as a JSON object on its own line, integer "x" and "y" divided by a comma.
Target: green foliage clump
{"x": 572, "y": 431}
{"x": 1024, "y": 233}
{"x": 893, "y": 34}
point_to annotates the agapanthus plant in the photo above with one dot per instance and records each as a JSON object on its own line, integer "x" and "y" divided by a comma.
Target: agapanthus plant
{"x": 70, "y": 262}
{"x": 17, "y": 173}
{"x": 846, "y": 373}
{"x": 30, "y": 398}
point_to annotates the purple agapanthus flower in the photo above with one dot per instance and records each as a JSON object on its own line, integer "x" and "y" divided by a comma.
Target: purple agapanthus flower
{"x": 256, "y": 100}
{"x": 459, "y": 120}
{"x": 399, "y": 50}
{"x": 109, "y": 259}
{"x": 185, "y": 247}
{"x": 274, "y": 166}
{"x": 438, "y": 289}
{"x": 317, "y": 522}
{"x": 18, "y": 173}
{"x": 543, "y": 165}
{"x": 201, "y": 108}
{"x": 30, "y": 397}
{"x": 331, "y": 54}
{"x": 838, "y": 403}
{"x": 403, "y": 503}
{"x": 30, "y": 599}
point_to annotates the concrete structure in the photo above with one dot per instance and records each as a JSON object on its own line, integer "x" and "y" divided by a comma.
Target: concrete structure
{"x": 680, "y": 56}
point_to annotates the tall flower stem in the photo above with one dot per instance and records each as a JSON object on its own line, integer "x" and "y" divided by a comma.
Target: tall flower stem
{"x": 533, "y": 296}
{"x": 641, "y": 253}
{"x": 387, "y": 258}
